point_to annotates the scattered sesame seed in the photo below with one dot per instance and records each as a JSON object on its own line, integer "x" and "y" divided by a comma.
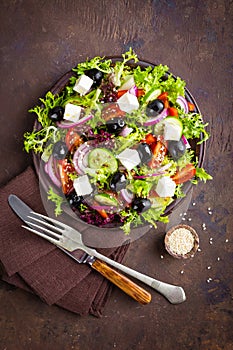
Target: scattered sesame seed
{"x": 185, "y": 214}
{"x": 181, "y": 214}
{"x": 210, "y": 213}
{"x": 209, "y": 280}
{"x": 183, "y": 219}
{"x": 210, "y": 242}
{"x": 199, "y": 249}
{"x": 209, "y": 208}
{"x": 227, "y": 240}
{"x": 194, "y": 203}
{"x": 181, "y": 272}
{"x": 218, "y": 258}
{"x": 204, "y": 228}
{"x": 189, "y": 219}
{"x": 211, "y": 239}
{"x": 161, "y": 256}
{"x": 203, "y": 225}
{"x": 208, "y": 267}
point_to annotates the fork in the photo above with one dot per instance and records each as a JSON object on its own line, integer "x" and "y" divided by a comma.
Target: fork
{"x": 70, "y": 239}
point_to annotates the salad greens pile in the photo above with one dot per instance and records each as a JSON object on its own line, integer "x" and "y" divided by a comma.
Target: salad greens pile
{"x": 115, "y": 142}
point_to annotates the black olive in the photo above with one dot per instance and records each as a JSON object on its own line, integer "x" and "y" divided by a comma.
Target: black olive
{"x": 176, "y": 149}
{"x": 96, "y": 75}
{"x": 60, "y": 150}
{"x": 154, "y": 108}
{"x": 118, "y": 181}
{"x": 115, "y": 125}
{"x": 74, "y": 200}
{"x": 141, "y": 204}
{"x": 145, "y": 153}
{"x": 56, "y": 114}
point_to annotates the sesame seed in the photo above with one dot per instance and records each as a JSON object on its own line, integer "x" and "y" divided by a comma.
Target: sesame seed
{"x": 218, "y": 258}
{"x": 161, "y": 256}
{"x": 181, "y": 214}
{"x": 204, "y": 228}
{"x": 199, "y": 249}
{"x": 208, "y": 267}
{"x": 203, "y": 225}
{"x": 185, "y": 214}
{"x": 181, "y": 272}
{"x": 210, "y": 213}
{"x": 227, "y": 240}
{"x": 189, "y": 219}
{"x": 194, "y": 203}
{"x": 183, "y": 219}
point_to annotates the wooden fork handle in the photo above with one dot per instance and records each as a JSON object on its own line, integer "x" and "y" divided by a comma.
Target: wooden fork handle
{"x": 121, "y": 281}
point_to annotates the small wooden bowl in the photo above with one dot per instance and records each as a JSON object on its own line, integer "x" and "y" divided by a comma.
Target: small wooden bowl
{"x": 189, "y": 254}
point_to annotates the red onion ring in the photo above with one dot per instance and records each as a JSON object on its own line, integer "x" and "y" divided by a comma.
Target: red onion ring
{"x": 158, "y": 118}
{"x": 52, "y": 173}
{"x": 148, "y": 175}
{"x": 66, "y": 125}
{"x": 126, "y": 195}
{"x": 185, "y": 141}
{"x": 183, "y": 103}
{"x": 79, "y": 158}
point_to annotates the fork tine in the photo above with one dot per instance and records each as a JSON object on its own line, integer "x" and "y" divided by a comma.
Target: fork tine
{"x": 50, "y": 239}
{"x": 44, "y": 229}
{"x": 56, "y": 222}
{"x": 45, "y": 223}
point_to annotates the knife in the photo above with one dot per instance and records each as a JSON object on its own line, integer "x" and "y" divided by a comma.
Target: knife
{"x": 123, "y": 282}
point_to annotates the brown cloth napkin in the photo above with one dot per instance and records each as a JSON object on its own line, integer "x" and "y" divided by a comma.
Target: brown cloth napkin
{"x": 35, "y": 265}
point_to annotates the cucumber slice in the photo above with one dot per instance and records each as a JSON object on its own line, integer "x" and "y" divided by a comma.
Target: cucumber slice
{"x": 152, "y": 94}
{"x": 101, "y": 157}
{"x": 106, "y": 199}
{"x": 173, "y": 128}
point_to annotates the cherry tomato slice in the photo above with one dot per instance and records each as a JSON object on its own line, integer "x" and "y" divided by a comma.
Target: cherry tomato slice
{"x": 66, "y": 168}
{"x": 184, "y": 174}
{"x": 73, "y": 140}
{"x": 191, "y": 106}
{"x": 149, "y": 139}
{"x": 112, "y": 110}
{"x": 159, "y": 151}
{"x": 173, "y": 112}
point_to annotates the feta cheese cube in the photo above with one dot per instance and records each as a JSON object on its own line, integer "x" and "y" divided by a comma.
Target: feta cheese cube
{"x": 128, "y": 102}
{"x": 166, "y": 187}
{"x": 82, "y": 185}
{"x": 83, "y": 84}
{"x": 72, "y": 112}
{"x": 129, "y": 158}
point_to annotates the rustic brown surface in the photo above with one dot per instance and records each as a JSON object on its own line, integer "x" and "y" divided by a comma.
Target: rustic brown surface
{"x": 40, "y": 41}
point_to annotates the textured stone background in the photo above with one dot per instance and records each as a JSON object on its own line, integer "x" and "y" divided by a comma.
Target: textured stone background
{"x": 40, "y": 41}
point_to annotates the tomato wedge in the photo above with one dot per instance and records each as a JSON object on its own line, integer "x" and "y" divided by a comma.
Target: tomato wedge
{"x": 140, "y": 92}
{"x": 164, "y": 98}
{"x": 191, "y": 106}
{"x": 112, "y": 110}
{"x": 149, "y": 139}
{"x": 173, "y": 112}
{"x": 73, "y": 140}
{"x": 65, "y": 169}
{"x": 159, "y": 151}
{"x": 184, "y": 174}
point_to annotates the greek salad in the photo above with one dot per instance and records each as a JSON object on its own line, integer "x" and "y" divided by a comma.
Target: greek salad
{"x": 116, "y": 142}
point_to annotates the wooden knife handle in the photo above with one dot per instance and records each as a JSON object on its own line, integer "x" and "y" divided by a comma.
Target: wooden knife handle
{"x": 121, "y": 281}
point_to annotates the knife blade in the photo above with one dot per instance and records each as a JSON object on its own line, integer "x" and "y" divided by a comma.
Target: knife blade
{"x": 123, "y": 282}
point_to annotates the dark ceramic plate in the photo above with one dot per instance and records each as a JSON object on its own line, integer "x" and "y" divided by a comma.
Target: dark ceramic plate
{"x": 113, "y": 235}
